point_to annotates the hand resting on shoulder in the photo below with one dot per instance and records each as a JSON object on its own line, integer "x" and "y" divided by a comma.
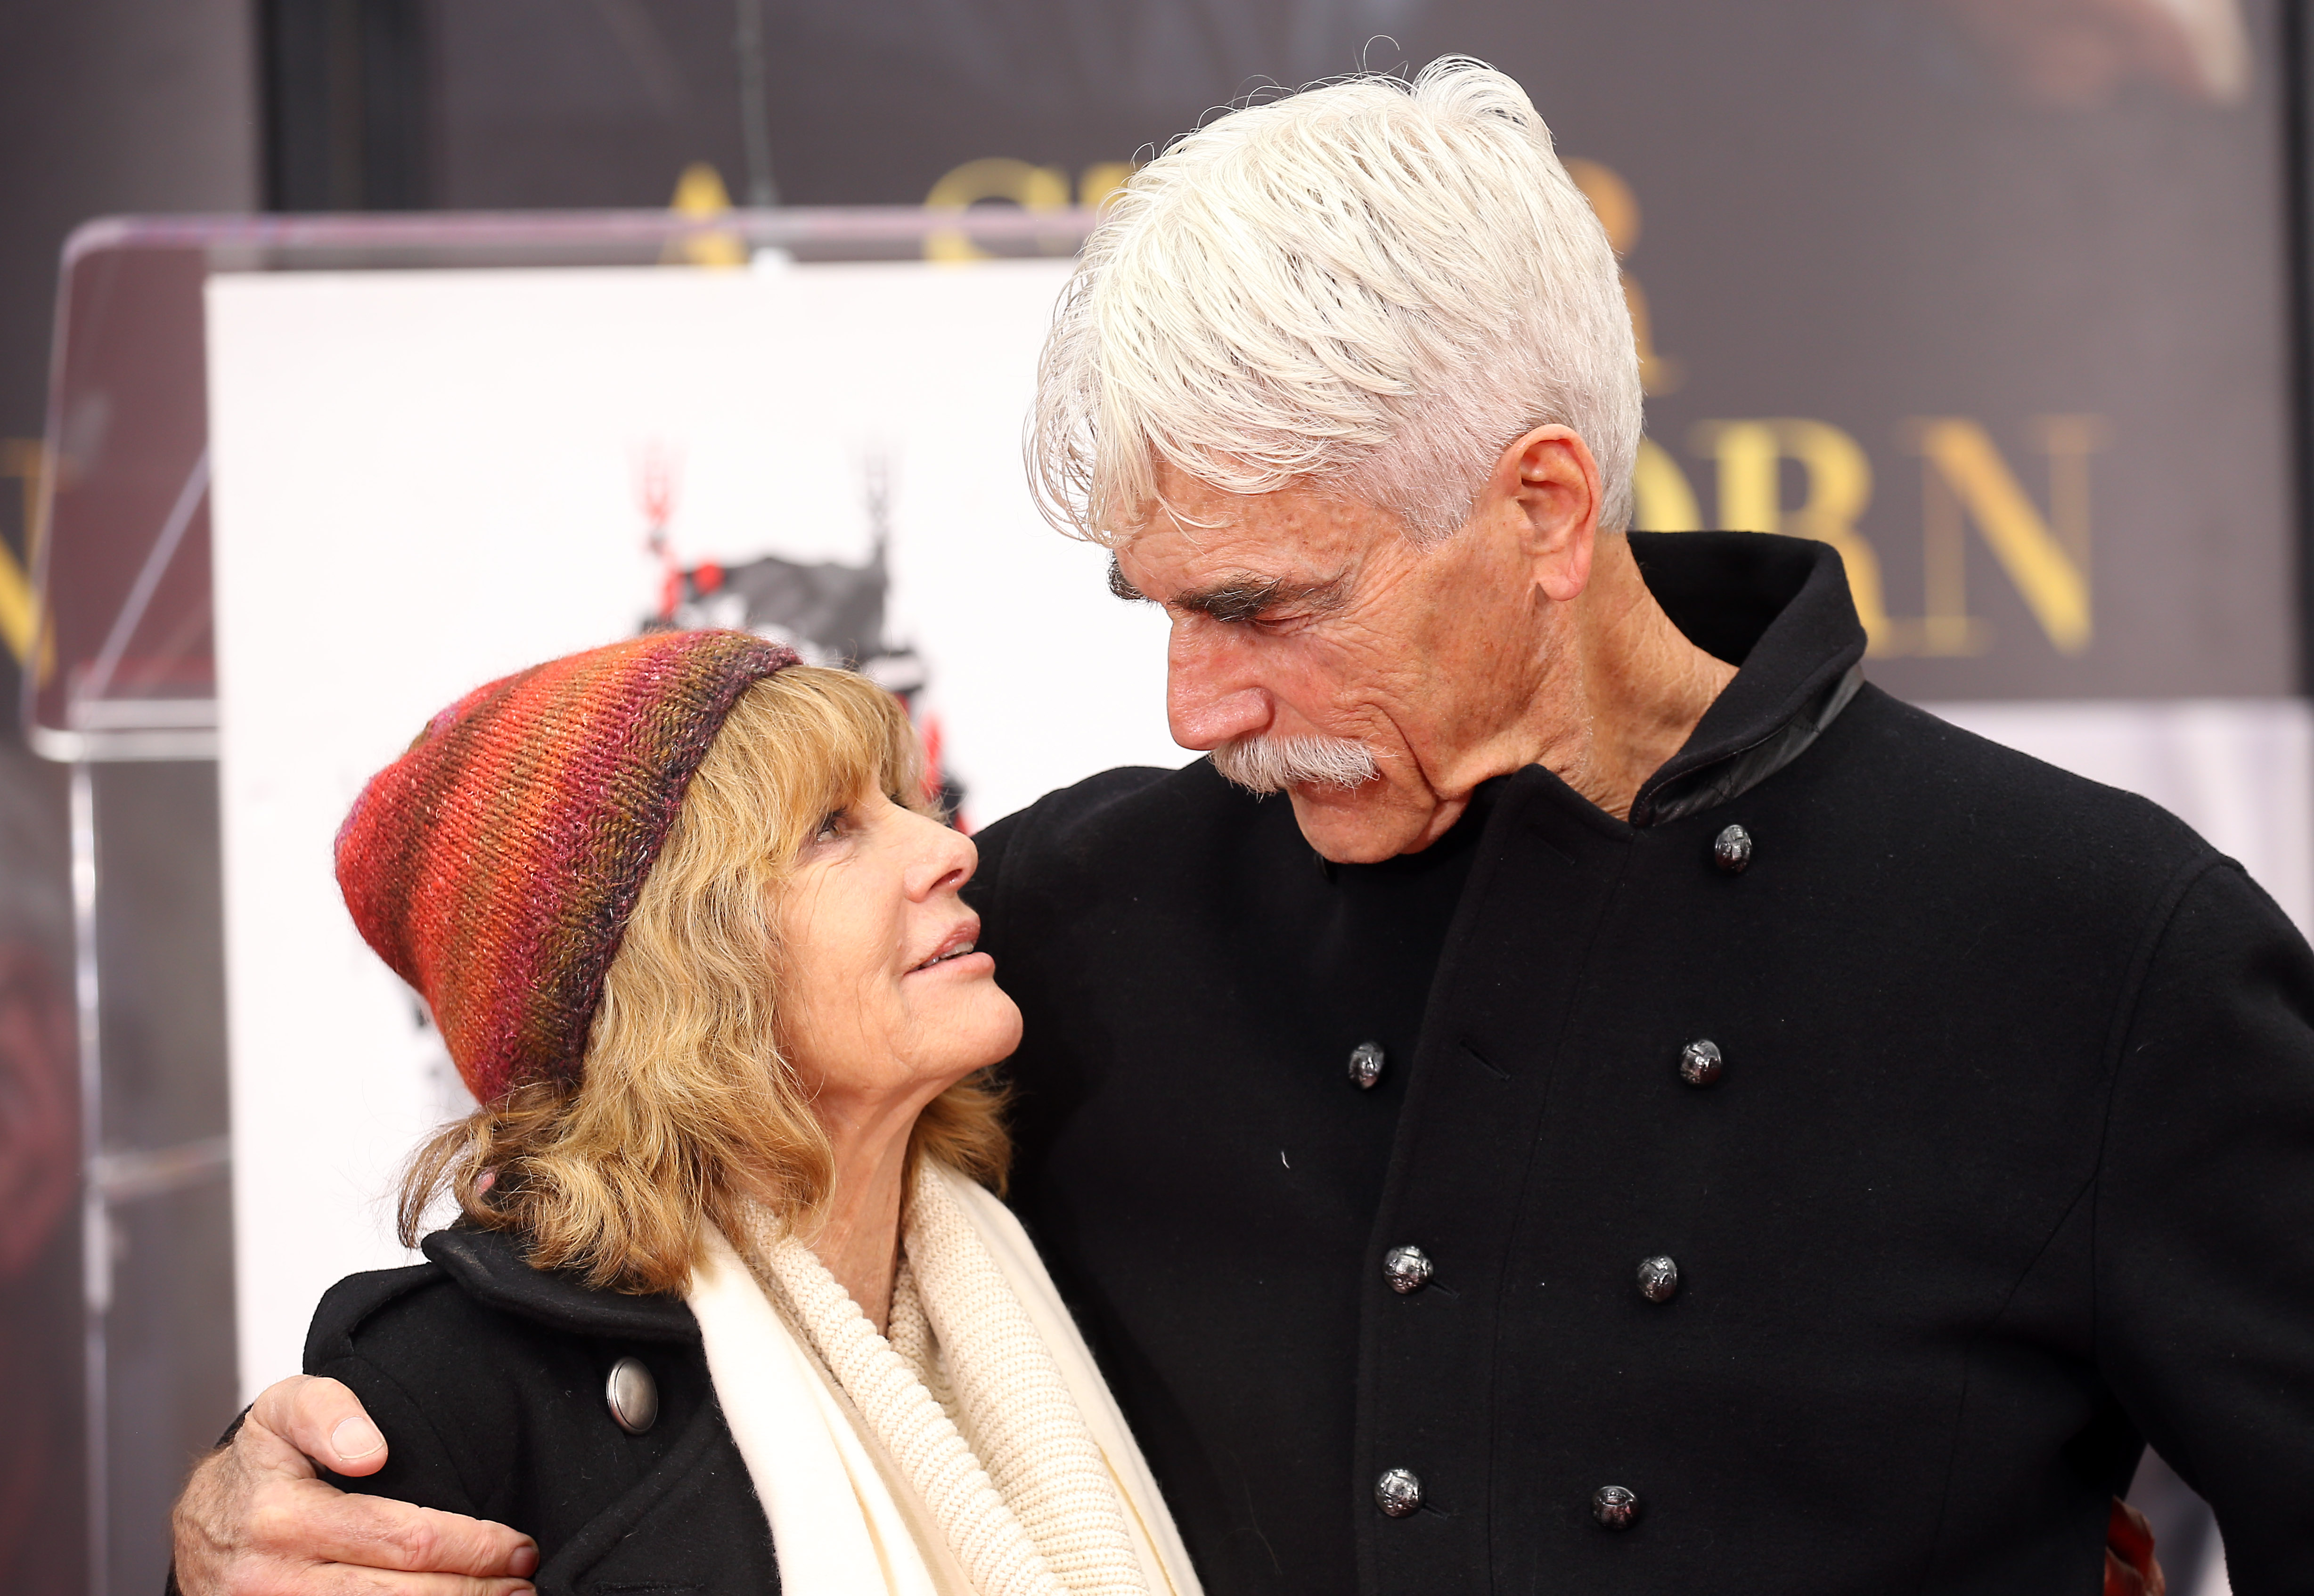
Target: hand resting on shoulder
{"x": 256, "y": 1520}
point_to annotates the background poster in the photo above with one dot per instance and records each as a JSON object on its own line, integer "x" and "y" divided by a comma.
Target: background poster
{"x": 425, "y": 481}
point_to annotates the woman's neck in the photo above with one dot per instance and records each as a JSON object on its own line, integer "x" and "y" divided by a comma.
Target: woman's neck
{"x": 859, "y": 1239}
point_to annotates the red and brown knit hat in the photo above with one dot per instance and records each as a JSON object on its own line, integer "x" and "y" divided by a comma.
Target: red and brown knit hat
{"x": 493, "y": 866}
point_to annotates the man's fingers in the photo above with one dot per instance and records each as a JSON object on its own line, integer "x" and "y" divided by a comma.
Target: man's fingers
{"x": 372, "y": 1582}
{"x": 255, "y": 1522}
{"x": 325, "y": 1420}
{"x": 308, "y": 1519}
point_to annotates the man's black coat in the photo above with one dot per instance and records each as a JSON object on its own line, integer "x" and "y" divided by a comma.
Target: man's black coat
{"x": 2011, "y": 1168}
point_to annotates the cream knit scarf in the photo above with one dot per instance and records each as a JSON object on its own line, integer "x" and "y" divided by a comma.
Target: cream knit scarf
{"x": 975, "y": 1450}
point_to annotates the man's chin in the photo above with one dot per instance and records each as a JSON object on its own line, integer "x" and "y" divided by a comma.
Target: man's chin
{"x": 1364, "y": 824}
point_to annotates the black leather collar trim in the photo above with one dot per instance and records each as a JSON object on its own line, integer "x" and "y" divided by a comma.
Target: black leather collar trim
{"x": 1714, "y": 785}
{"x": 1779, "y": 609}
{"x": 491, "y": 1268}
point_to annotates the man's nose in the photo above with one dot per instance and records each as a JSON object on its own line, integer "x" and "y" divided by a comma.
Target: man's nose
{"x": 1209, "y": 699}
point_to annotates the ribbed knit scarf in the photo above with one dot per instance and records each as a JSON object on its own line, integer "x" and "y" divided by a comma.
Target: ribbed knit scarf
{"x": 983, "y": 1401}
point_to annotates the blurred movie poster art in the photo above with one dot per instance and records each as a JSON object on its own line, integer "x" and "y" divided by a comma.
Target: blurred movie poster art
{"x": 40, "y": 1461}
{"x": 829, "y": 612}
{"x": 2081, "y": 54}
{"x": 38, "y": 1174}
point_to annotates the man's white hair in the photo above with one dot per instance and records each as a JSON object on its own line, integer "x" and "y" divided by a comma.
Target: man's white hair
{"x": 1373, "y": 287}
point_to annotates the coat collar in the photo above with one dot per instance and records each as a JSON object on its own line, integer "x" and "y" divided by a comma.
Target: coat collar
{"x": 491, "y": 1268}
{"x": 1779, "y": 609}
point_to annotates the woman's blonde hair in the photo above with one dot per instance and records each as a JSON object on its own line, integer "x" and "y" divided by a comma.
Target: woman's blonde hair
{"x": 686, "y": 1090}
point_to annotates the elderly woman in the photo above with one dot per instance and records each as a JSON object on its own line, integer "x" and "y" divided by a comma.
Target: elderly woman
{"x": 728, "y": 1305}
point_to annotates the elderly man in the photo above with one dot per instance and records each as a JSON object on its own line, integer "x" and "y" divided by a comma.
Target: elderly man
{"x": 1651, "y": 1113}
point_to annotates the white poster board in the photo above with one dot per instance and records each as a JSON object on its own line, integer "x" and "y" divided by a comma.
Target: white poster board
{"x": 425, "y": 479}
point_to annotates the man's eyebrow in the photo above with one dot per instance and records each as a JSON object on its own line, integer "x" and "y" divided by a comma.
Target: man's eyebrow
{"x": 1241, "y": 597}
{"x": 1249, "y": 598}
{"x": 1123, "y": 589}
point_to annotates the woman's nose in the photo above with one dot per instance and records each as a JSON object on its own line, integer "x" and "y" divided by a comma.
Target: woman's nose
{"x": 945, "y": 860}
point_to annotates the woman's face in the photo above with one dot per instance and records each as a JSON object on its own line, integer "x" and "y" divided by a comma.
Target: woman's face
{"x": 884, "y": 998}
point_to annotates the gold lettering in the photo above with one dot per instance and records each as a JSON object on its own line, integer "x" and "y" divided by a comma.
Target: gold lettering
{"x": 700, "y": 193}
{"x": 1839, "y": 486}
{"x": 995, "y": 177}
{"x": 1099, "y": 182}
{"x": 1611, "y": 197}
{"x": 20, "y": 616}
{"x": 2069, "y": 441}
{"x": 1658, "y": 372}
{"x": 1966, "y": 478}
{"x": 1947, "y": 628}
{"x": 1661, "y": 498}
{"x": 1618, "y": 210}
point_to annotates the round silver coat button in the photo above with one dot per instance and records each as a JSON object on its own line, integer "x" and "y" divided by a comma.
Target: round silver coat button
{"x": 1614, "y": 1507}
{"x": 1699, "y": 1062}
{"x": 634, "y": 1396}
{"x": 1658, "y": 1279}
{"x": 1366, "y": 1060}
{"x": 1398, "y": 1492}
{"x": 1731, "y": 850}
{"x": 1406, "y": 1268}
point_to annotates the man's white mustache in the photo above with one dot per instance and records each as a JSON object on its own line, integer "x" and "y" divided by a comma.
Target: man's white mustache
{"x": 1273, "y": 764}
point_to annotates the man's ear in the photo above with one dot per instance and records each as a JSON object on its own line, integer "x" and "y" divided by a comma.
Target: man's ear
{"x": 1547, "y": 485}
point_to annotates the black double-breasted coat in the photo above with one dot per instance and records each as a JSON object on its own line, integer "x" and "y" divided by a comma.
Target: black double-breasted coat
{"x": 2008, "y": 1167}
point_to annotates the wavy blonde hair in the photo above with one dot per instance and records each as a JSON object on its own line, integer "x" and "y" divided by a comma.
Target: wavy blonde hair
{"x": 686, "y": 1092}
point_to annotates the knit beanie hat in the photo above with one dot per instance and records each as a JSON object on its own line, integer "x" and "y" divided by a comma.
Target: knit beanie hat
{"x": 493, "y": 866}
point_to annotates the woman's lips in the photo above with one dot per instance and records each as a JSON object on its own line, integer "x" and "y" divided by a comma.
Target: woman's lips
{"x": 960, "y": 943}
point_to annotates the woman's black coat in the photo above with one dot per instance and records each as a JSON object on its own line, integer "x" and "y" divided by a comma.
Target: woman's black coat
{"x": 489, "y": 1379}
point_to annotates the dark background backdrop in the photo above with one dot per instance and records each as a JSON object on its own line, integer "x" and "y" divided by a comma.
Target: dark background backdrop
{"x": 1857, "y": 226}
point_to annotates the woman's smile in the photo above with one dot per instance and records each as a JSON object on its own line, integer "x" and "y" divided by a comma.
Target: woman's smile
{"x": 959, "y": 946}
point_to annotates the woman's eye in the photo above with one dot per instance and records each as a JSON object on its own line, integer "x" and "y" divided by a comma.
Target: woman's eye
{"x": 830, "y": 828}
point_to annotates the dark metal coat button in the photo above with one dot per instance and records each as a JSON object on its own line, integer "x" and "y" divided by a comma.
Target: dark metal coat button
{"x": 634, "y": 1396}
{"x": 1614, "y": 1507}
{"x": 1731, "y": 850}
{"x": 1366, "y": 1064}
{"x": 1699, "y": 1062}
{"x": 1658, "y": 1279}
{"x": 1398, "y": 1492}
{"x": 1406, "y": 1268}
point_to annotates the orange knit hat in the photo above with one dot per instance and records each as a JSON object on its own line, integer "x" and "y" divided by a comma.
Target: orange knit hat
{"x": 494, "y": 864}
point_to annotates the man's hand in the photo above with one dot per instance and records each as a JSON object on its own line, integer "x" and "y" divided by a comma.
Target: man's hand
{"x": 255, "y": 1522}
